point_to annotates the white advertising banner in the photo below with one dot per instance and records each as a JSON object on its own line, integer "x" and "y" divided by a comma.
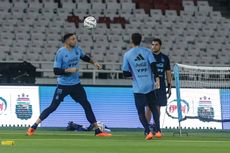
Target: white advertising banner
{"x": 19, "y": 105}
{"x": 201, "y": 109}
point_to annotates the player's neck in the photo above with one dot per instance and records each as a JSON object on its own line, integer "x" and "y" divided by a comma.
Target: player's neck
{"x": 68, "y": 47}
{"x": 157, "y": 52}
{"x": 134, "y": 46}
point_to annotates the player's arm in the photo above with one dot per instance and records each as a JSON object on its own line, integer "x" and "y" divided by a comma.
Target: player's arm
{"x": 87, "y": 59}
{"x": 127, "y": 74}
{"x": 156, "y": 75}
{"x": 154, "y": 70}
{"x": 126, "y": 68}
{"x": 59, "y": 71}
{"x": 153, "y": 65}
{"x": 168, "y": 77}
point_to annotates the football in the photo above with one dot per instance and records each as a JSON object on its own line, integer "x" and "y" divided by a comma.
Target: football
{"x": 90, "y": 22}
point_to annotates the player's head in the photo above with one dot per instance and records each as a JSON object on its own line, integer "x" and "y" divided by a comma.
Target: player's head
{"x": 70, "y": 39}
{"x": 156, "y": 45}
{"x": 136, "y": 39}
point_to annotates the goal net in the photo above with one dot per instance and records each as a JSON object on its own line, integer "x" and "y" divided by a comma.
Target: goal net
{"x": 203, "y": 96}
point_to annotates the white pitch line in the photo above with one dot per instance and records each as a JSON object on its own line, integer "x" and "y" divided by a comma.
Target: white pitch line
{"x": 181, "y": 141}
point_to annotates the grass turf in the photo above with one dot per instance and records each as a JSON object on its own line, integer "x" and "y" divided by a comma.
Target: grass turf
{"x": 123, "y": 141}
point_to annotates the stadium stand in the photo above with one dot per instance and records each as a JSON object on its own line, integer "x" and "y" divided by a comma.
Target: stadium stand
{"x": 192, "y": 32}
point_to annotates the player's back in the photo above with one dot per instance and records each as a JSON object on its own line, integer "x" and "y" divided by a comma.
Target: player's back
{"x": 139, "y": 60}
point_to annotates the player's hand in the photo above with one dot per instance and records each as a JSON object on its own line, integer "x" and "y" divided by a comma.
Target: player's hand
{"x": 98, "y": 66}
{"x": 71, "y": 70}
{"x": 169, "y": 91}
{"x": 157, "y": 83}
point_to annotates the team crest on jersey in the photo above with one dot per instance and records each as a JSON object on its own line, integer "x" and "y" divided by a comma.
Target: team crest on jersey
{"x": 23, "y": 107}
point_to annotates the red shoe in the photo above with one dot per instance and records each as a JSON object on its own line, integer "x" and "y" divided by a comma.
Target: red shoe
{"x": 30, "y": 131}
{"x": 103, "y": 134}
{"x": 158, "y": 134}
{"x": 149, "y": 136}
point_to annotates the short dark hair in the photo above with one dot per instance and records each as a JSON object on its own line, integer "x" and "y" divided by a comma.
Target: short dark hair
{"x": 157, "y": 40}
{"x": 136, "y": 39}
{"x": 66, "y": 36}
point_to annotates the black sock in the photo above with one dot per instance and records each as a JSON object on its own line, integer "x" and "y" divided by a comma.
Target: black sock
{"x": 34, "y": 126}
{"x": 97, "y": 131}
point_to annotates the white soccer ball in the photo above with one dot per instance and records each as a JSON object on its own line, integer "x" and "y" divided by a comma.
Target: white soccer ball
{"x": 101, "y": 126}
{"x": 90, "y": 22}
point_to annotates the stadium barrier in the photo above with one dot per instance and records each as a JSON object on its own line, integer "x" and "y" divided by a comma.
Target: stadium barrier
{"x": 114, "y": 106}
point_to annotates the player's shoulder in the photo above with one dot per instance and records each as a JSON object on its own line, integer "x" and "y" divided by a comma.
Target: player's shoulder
{"x": 147, "y": 50}
{"x": 134, "y": 51}
{"x": 128, "y": 52}
{"x": 144, "y": 48}
{"x": 60, "y": 50}
{"x": 78, "y": 48}
{"x": 164, "y": 55}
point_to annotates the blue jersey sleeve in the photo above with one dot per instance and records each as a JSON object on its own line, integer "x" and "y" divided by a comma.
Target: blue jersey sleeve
{"x": 58, "y": 60}
{"x": 125, "y": 66}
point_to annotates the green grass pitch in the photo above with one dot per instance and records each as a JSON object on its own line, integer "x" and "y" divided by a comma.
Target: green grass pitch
{"x": 123, "y": 141}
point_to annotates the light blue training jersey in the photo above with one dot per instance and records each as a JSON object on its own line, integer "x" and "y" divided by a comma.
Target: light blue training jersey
{"x": 68, "y": 59}
{"x": 138, "y": 61}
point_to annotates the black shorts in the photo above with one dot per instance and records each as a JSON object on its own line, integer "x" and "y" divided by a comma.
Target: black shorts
{"x": 161, "y": 95}
{"x": 77, "y": 92}
{"x": 145, "y": 99}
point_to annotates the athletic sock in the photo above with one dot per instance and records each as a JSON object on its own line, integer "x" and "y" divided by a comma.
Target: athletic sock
{"x": 154, "y": 128}
{"x": 34, "y": 126}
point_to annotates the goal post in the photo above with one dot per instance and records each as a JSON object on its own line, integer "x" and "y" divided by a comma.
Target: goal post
{"x": 199, "y": 95}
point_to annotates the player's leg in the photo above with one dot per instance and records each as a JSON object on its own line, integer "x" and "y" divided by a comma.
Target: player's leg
{"x": 59, "y": 95}
{"x": 140, "y": 102}
{"x": 151, "y": 99}
{"x": 162, "y": 97}
{"x": 161, "y": 101}
{"x": 79, "y": 95}
{"x": 159, "y": 110}
{"x": 148, "y": 114}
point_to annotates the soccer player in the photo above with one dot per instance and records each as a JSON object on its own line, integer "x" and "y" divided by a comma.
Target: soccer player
{"x": 138, "y": 63}
{"x": 163, "y": 67}
{"x": 66, "y": 66}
